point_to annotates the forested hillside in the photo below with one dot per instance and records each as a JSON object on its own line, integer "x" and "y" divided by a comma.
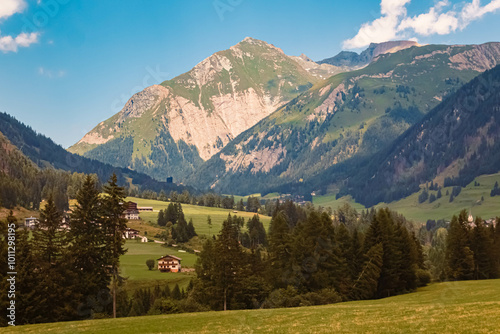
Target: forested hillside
{"x": 47, "y": 154}
{"x": 456, "y": 142}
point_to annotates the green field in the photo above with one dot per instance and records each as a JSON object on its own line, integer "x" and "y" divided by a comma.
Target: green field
{"x": 469, "y": 199}
{"x": 197, "y": 213}
{"x": 453, "y": 307}
{"x": 133, "y": 265}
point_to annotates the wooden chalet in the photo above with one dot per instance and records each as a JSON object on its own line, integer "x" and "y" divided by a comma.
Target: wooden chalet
{"x": 169, "y": 263}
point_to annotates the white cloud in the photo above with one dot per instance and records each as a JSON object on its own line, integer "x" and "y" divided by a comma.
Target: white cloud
{"x": 431, "y": 23}
{"x": 11, "y": 44}
{"x": 11, "y": 7}
{"x": 395, "y": 24}
{"x": 381, "y": 29}
{"x": 24, "y": 40}
{"x": 474, "y": 10}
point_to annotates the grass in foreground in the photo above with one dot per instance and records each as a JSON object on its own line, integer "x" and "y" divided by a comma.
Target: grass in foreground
{"x": 453, "y": 307}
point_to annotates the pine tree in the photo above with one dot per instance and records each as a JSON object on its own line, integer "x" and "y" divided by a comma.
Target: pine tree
{"x": 279, "y": 250}
{"x": 49, "y": 237}
{"x": 220, "y": 267}
{"x": 161, "y": 220}
{"x": 228, "y": 261}
{"x": 365, "y": 285}
{"x": 114, "y": 226}
{"x": 190, "y": 229}
{"x": 57, "y": 283}
{"x": 171, "y": 214}
{"x": 256, "y": 232}
{"x": 482, "y": 246}
{"x": 89, "y": 241}
{"x": 459, "y": 256}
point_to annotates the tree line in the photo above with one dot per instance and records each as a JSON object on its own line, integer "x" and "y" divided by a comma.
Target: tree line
{"x": 309, "y": 259}
{"x": 211, "y": 200}
{"x": 69, "y": 273}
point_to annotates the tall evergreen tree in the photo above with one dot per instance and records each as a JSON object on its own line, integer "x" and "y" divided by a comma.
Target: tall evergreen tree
{"x": 482, "y": 247}
{"x": 114, "y": 226}
{"x": 366, "y": 284}
{"x": 171, "y": 214}
{"x": 279, "y": 250}
{"x": 459, "y": 256}
{"x": 161, "y": 221}
{"x": 88, "y": 243}
{"x": 56, "y": 275}
{"x": 49, "y": 237}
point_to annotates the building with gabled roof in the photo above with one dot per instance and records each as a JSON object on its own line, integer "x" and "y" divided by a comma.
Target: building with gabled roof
{"x": 169, "y": 263}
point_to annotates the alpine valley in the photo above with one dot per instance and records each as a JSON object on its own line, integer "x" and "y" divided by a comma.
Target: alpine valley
{"x": 252, "y": 119}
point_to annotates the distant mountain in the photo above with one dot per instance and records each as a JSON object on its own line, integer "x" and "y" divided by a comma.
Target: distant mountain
{"x": 454, "y": 143}
{"x": 355, "y": 60}
{"x": 43, "y": 152}
{"x": 344, "y": 119}
{"x": 170, "y": 129}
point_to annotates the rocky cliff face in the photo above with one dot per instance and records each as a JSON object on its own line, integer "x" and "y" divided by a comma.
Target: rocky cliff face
{"x": 203, "y": 109}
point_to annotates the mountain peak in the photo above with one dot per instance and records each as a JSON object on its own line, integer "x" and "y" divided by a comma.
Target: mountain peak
{"x": 353, "y": 59}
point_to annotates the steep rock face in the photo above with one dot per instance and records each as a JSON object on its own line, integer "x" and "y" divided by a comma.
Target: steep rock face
{"x": 197, "y": 113}
{"x": 349, "y": 116}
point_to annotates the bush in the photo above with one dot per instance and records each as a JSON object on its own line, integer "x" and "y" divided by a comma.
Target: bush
{"x": 423, "y": 277}
{"x": 150, "y": 263}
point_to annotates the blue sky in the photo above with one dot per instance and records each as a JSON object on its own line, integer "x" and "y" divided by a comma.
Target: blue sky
{"x": 66, "y": 65}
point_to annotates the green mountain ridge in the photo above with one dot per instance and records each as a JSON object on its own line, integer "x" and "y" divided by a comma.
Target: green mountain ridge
{"x": 348, "y": 117}
{"x": 43, "y": 154}
{"x": 452, "y": 145}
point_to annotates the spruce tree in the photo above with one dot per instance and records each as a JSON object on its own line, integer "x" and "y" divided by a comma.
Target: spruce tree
{"x": 89, "y": 241}
{"x": 459, "y": 256}
{"x": 161, "y": 220}
{"x": 171, "y": 214}
{"x": 57, "y": 283}
{"x": 49, "y": 237}
{"x": 279, "y": 250}
{"x": 365, "y": 285}
{"x": 482, "y": 246}
{"x": 114, "y": 226}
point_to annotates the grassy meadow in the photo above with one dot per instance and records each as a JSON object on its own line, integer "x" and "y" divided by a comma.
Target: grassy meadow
{"x": 452, "y": 307}
{"x": 469, "y": 199}
{"x": 199, "y": 215}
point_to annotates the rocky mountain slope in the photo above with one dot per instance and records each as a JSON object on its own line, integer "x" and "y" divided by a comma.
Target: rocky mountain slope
{"x": 169, "y": 129}
{"x": 345, "y": 118}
